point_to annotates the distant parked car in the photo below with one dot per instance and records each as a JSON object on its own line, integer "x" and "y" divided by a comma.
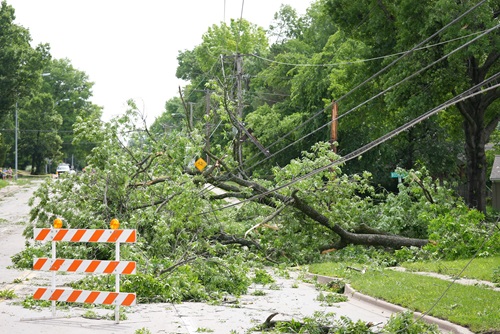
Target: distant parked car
{"x": 62, "y": 168}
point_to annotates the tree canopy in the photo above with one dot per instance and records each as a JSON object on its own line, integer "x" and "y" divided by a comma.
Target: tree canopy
{"x": 47, "y": 95}
{"x": 463, "y": 52}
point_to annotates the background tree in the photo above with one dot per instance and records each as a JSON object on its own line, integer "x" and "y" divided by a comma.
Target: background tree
{"x": 71, "y": 90}
{"x": 213, "y": 65}
{"x": 40, "y": 139}
{"x": 20, "y": 69}
{"x": 174, "y": 117}
{"x": 392, "y": 27}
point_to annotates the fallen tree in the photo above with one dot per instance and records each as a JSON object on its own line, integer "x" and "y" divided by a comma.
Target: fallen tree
{"x": 194, "y": 244}
{"x": 363, "y": 235}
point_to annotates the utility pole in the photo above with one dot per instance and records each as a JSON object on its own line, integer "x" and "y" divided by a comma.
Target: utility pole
{"x": 335, "y": 115}
{"x": 15, "y": 162}
{"x": 239, "y": 75}
{"x": 191, "y": 114}
{"x": 239, "y": 113}
{"x": 207, "y": 125}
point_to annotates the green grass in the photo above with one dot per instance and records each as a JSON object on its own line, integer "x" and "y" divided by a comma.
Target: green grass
{"x": 3, "y": 183}
{"x": 20, "y": 182}
{"x": 470, "y": 306}
{"x": 480, "y": 268}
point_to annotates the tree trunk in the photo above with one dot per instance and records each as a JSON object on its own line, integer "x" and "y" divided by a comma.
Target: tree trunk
{"x": 349, "y": 238}
{"x": 476, "y": 170}
{"x": 346, "y": 238}
{"x": 479, "y": 123}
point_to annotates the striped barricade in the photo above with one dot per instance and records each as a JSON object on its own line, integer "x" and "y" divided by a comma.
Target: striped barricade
{"x": 82, "y": 235}
{"x": 87, "y": 297}
{"x": 85, "y": 266}
{"x": 117, "y": 267}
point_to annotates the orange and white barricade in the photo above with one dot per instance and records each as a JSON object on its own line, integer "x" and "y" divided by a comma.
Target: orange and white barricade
{"x": 117, "y": 267}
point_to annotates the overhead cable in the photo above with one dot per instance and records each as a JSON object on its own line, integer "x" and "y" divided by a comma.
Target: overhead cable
{"x": 381, "y": 93}
{"x": 471, "y": 92}
{"x": 406, "y": 53}
{"x": 351, "y": 62}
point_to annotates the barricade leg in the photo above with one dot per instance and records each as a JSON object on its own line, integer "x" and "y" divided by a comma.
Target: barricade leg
{"x": 117, "y": 282}
{"x": 53, "y": 278}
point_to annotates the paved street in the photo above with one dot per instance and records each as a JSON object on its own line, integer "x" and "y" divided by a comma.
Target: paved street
{"x": 291, "y": 297}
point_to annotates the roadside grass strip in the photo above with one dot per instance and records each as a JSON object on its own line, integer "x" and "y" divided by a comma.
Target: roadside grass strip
{"x": 485, "y": 269}
{"x": 475, "y": 307}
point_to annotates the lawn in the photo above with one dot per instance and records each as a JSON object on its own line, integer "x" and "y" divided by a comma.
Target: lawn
{"x": 485, "y": 269}
{"x": 475, "y": 307}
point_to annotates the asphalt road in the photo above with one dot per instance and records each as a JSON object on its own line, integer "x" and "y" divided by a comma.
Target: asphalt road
{"x": 291, "y": 297}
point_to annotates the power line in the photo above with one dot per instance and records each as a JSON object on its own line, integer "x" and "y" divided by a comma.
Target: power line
{"x": 413, "y": 49}
{"x": 352, "y": 62}
{"x": 471, "y": 92}
{"x": 379, "y": 94}
{"x": 36, "y": 130}
{"x": 406, "y": 53}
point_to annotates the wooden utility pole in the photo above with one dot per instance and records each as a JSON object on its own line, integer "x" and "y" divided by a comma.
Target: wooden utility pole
{"x": 207, "y": 126}
{"x": 335, "y": 115}
{"x": 239, "y": 112}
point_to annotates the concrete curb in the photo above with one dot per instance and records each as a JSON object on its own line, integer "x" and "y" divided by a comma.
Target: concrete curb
{"x": 444, "y": 325}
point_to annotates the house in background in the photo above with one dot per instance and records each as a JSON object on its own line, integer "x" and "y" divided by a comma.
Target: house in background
{"x": 495, "y": 183}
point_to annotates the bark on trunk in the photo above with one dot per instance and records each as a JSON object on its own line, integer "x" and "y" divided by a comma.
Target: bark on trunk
{"x": 346, "y": 237}
{"x": 479, "y": 122}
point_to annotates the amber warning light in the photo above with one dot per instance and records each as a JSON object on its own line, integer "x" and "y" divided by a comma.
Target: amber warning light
{"x": 57, "y": 223}
{"x": 114, "y": 224}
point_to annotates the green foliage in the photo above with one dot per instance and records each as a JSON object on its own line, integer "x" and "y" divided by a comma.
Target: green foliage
{"x": 348, "y": 326}
{"x": 292, "y": 326}
{"x": 70, "y": 90}
{"x": 331, "y": 299}
{"x": 143, "y": 330}
{"x": 195, "y": 282}
{"x": 258, "y": 293}
{"x": 20, "y": 64}
{"x": 319, "y": 323}
{"x": 496, "y": 275}
{"x": 406, "y": 323}
{"x": 91, "y": 314}
{"x": 261, "y": 276}
{"x": 419, "y": 199}
{"x": 462, "y": 234}
{"x": 31, "y": 303}
{"x": 7, "y": 294}
{"x": 4, "y": 183}
{"x": 46, "y": 94}
{"x": 24, "y": 259}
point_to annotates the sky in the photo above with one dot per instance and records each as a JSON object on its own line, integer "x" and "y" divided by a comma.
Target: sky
{"x": 129, "y": 48}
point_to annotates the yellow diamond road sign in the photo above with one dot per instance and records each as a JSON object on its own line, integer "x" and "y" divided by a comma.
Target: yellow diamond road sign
{"x": 200, "y": 164}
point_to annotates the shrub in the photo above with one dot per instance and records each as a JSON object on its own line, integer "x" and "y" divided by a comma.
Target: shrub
{"x": 460, "y": 234}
